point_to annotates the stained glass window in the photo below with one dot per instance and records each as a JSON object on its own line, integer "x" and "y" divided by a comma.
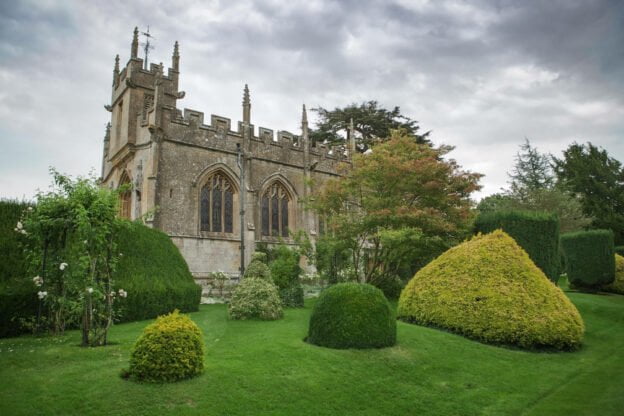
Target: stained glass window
{"x": 217, "y": 205}
{"x": 274, "y": 205}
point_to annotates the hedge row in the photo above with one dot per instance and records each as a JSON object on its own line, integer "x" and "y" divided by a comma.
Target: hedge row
{"x": 154, "y": 274}
{"x": 589, "y": 258}
{"x": 18, "y": 299}
{"x": 536, "y": 232}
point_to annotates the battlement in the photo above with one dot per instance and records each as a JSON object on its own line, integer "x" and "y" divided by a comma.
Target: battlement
{"x": 221, "y": 128}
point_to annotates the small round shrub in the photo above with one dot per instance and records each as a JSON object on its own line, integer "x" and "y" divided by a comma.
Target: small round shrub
{"x": 257, "y": 270}
{"x": 255, "y": 299}
{"x": 170, "y": 349}
{"x": 352, "y": 315}
{"x": 618, "y": 284}
{"x": 489, "y": 289}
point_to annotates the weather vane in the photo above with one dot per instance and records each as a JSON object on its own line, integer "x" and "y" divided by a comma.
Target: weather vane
{"x": 147, "y": 46}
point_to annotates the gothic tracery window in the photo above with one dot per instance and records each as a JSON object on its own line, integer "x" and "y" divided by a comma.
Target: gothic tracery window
{"x": 217, "y": 205}
{"x": 274, "y": 209}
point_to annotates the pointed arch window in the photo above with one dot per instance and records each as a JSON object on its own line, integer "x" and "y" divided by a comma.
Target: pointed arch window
{"x": 217, "y": 204}
{"x": 125, "y": 197}
{"x": 274, "y": 206}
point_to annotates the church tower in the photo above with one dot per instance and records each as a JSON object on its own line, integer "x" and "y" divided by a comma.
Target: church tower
{"x": 140, "y": 98}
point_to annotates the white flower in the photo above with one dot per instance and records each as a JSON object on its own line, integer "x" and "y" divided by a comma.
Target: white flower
{"x": 112, "y": 294}
{"x": 123, "y": 293}
{"x": 19, "y": 225}
{"x": 63, "y": 266}
{"x": 42, "y": 294}
{"x": 38, "y": 280}
{"x": 30, "y": 208}
{"x": 89, "y": 290}
{"x": 86, "y": 242}
{"x": 23, "y": 231}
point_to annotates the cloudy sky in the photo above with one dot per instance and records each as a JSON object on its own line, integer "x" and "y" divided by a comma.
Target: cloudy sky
{"x": 482, "y": 75}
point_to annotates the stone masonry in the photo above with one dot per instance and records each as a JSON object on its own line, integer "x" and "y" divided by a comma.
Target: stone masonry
{"x": 169, "y": 156}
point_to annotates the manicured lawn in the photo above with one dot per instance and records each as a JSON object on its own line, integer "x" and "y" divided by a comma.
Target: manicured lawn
{"x": 257, "y": 368}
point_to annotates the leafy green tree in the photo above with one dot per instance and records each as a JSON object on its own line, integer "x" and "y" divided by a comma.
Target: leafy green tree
{"x": 532, "y": 171}
{"x": 598, "y": 181}
{"x": 400, "y": 185}
{"x": 533, "y": 188}
{"x": 371, "y": 123}
{"x": 71, "y": 252}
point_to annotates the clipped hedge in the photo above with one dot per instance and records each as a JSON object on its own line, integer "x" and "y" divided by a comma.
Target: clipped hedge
{"x": 170, "y": 349}
{"x": 536, "y": 232}
{"x": 619, "y": 250}
{"x": 255, "y": 298}
{"x": 18, "y": 299}
{"x": 352, "y": 315}
{"x": 589, "y": 258}
{"x": 154, "y": 273}
{"x": 618, "y": 284}
{"x": 489, "y": 289}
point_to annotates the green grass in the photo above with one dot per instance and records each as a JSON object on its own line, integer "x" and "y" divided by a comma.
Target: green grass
{"x": 260, "y": 368}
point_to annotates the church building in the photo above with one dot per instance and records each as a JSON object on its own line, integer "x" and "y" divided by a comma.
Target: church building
{"x": 210, "y": 186}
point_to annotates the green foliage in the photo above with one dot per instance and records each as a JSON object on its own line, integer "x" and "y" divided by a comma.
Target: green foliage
{"x": 391, "y": 286}
{"x": 619, "y": 250}
{"x": 285, "y": 271}
{"x": 18, "y": 294}
{"x": 489, "y": 289}
{"x": 332, "y": 258}
{"x": 170, "y": 349}
{"x": 70, "y": 248}
{"x": 531, "y": 172}
{"x": 618, "y": 283}
{"x": 352, "y": 315}
{"x": 537, "y": 233}
{"x": 154, "y": 273}
{"x": 257, "y": 269}
{"x": 255, "y": 298}
{"x": 589, "y": 258}
{"x": 371, "y": 124}
{"x": 401, "y": 185}
{"x": 598, "y": 180}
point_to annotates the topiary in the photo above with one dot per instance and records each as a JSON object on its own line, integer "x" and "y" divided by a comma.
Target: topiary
{"x": 489, "y": 289}
{"x": 536, "y": 232}
{"x": 257, "y": 270}
{"x": 255, "y": 298}
{"x": 170, "y": 349}
{"x": 618, "y": 284}
{"x": 589, "y": 258}
{"x": 352, "y": 315}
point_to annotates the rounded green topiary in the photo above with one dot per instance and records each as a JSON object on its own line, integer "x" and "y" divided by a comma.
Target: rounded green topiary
{"x": 257, "y": 270}
{"x": 255, "y": 299}
{"x": 489, "y": 289}
{"x": 618, "y": 284}
{"x": 352, "y": 315}
{"x": 170, "y": 349}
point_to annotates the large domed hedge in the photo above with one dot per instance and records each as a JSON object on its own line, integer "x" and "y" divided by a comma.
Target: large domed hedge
{"x": 489, "y": 289}
{"x": 170, "y": 349}
{"x": 352, "y": 315}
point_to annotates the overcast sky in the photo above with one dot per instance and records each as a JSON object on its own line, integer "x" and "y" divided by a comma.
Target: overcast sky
{"x": 482, "y": 75}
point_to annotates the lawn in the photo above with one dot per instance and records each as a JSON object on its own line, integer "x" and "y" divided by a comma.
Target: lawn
{"x": 258, "y": 368}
